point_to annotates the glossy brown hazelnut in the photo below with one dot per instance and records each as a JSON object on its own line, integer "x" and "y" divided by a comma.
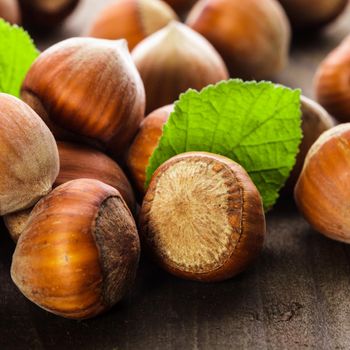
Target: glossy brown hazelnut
{"x": 9, "y": 11}
{"x": 87, "y": 90}
{"x": 145, "y": 142}
{"x": 322, "y": 192}
{"x": 332, "y": 87}
{"x": 133, "y": 20}
{"x": 79, "y": 253}
{"x": 181, "y": 6}
{"x": 78, "y": 162}
{"x": 252, "y": 36}
{"x": 202, "y": 217}
{"x": 173, "y": 60}
{"x": 28, "y": 159}
{"x": 315, "y": 121}
{"x": 46, "y": 14}
{"x": 312, "y": 13}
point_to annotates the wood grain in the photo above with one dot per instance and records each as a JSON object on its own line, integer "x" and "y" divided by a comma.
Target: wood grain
{"x": 294, "y": 297}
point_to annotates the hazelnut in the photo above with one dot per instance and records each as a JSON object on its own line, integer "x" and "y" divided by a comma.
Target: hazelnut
{"x": 252, "y": 36}
{"x": 322, "y": 192}
{"x": 315, "y": 121}
{"x": 173, "y": 60}
{"x": 77, "y": 162}
{"x": 9, "y": 11}
{"x": 87, "y": 90}
{"x": 133, "y": 20}
{"x": 332, "y": 82}
{"x": 79, "y": 252}
{"x": 29, "y": 158}
{"x": 46, "y": 14}
{"x": 145, "y": 142}
{"x": 16, "y": 222}
{"x": 181, "y": 6}
{"x": 312, "y": 13}
{"x": 217, "y": 223}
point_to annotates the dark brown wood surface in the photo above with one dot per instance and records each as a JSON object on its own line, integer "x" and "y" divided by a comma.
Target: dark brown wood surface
{"x": 296, "y": 296}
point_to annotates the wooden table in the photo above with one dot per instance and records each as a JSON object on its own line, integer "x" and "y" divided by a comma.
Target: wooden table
{"x": 295, "y": 297}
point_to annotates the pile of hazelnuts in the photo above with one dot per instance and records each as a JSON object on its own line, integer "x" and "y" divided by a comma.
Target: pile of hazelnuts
{"x": 78, "y": 134}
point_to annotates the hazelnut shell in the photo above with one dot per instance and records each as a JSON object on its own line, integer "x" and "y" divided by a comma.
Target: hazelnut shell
{"x": 322, "y": 192}
{"x": 87, "y": 90}
{"x": 46, "y": 14}
{"x": 252, "y": 36}
{"x": 77, "y": 162}
{"x": 306, "y": 14}
{"x": 132, "y": 20}
{"x": 145, "y": 142}
{"x": 202, "y": 217}
{"x": 173, "y": 60}
{"x": 9, "y": 11}
{"x": 315, "y": 121}
{"x": 79, "y": 253}
{"x": 29, "y": 161}
{"x": 332, "y": 82}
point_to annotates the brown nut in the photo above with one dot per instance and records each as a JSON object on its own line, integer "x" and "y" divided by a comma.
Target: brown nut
{"x": 312, "y": 13}
{"x": 173, "y": 60}
{"x": 9, "y": 11}
{"x": 133, "y": 20}
{"x": 87, "y": 90}
{"x": 79, "y": 253}
{"x": 16, "y": 222}
{"x": 252, "y": 36}
{"x": 181, "y": 6}
{"x": 78, "y": 162}
{"x": 145, "y": 142}
{"x": 202, "y": 217}
{"x": 332, "y": 82}
{"x": 46, "y": 14}
{"x": 322, "y": 192}
{"x": 315, "y": 121}
{"x": 29, "y": 158}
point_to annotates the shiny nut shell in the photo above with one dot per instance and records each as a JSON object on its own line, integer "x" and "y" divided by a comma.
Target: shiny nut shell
{"x": 173, "y": 60}
{"x": 145, "y": 142}
{"x": 87, "y": 90}
{"x": 252, "y": 36}
{"x": 322, "y": 192}
{"x": 132, "y": 20}
{"x": 9, "y": 11}
{"x": 312, "y": 13}
{"x": 332, "y": 87}
{"x": 79, "y": 252}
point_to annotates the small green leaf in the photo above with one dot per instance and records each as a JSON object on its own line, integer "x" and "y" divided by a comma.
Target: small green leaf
{"x": 17, "y": 53}
{"x": 257, "y": 125}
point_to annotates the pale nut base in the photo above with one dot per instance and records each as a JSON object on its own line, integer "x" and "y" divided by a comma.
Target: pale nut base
{"x": 194, "y": 216}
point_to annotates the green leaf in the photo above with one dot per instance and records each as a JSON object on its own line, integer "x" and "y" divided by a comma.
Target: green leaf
{"x": 17, "y": 53}
{"x": 258, "y": 125}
